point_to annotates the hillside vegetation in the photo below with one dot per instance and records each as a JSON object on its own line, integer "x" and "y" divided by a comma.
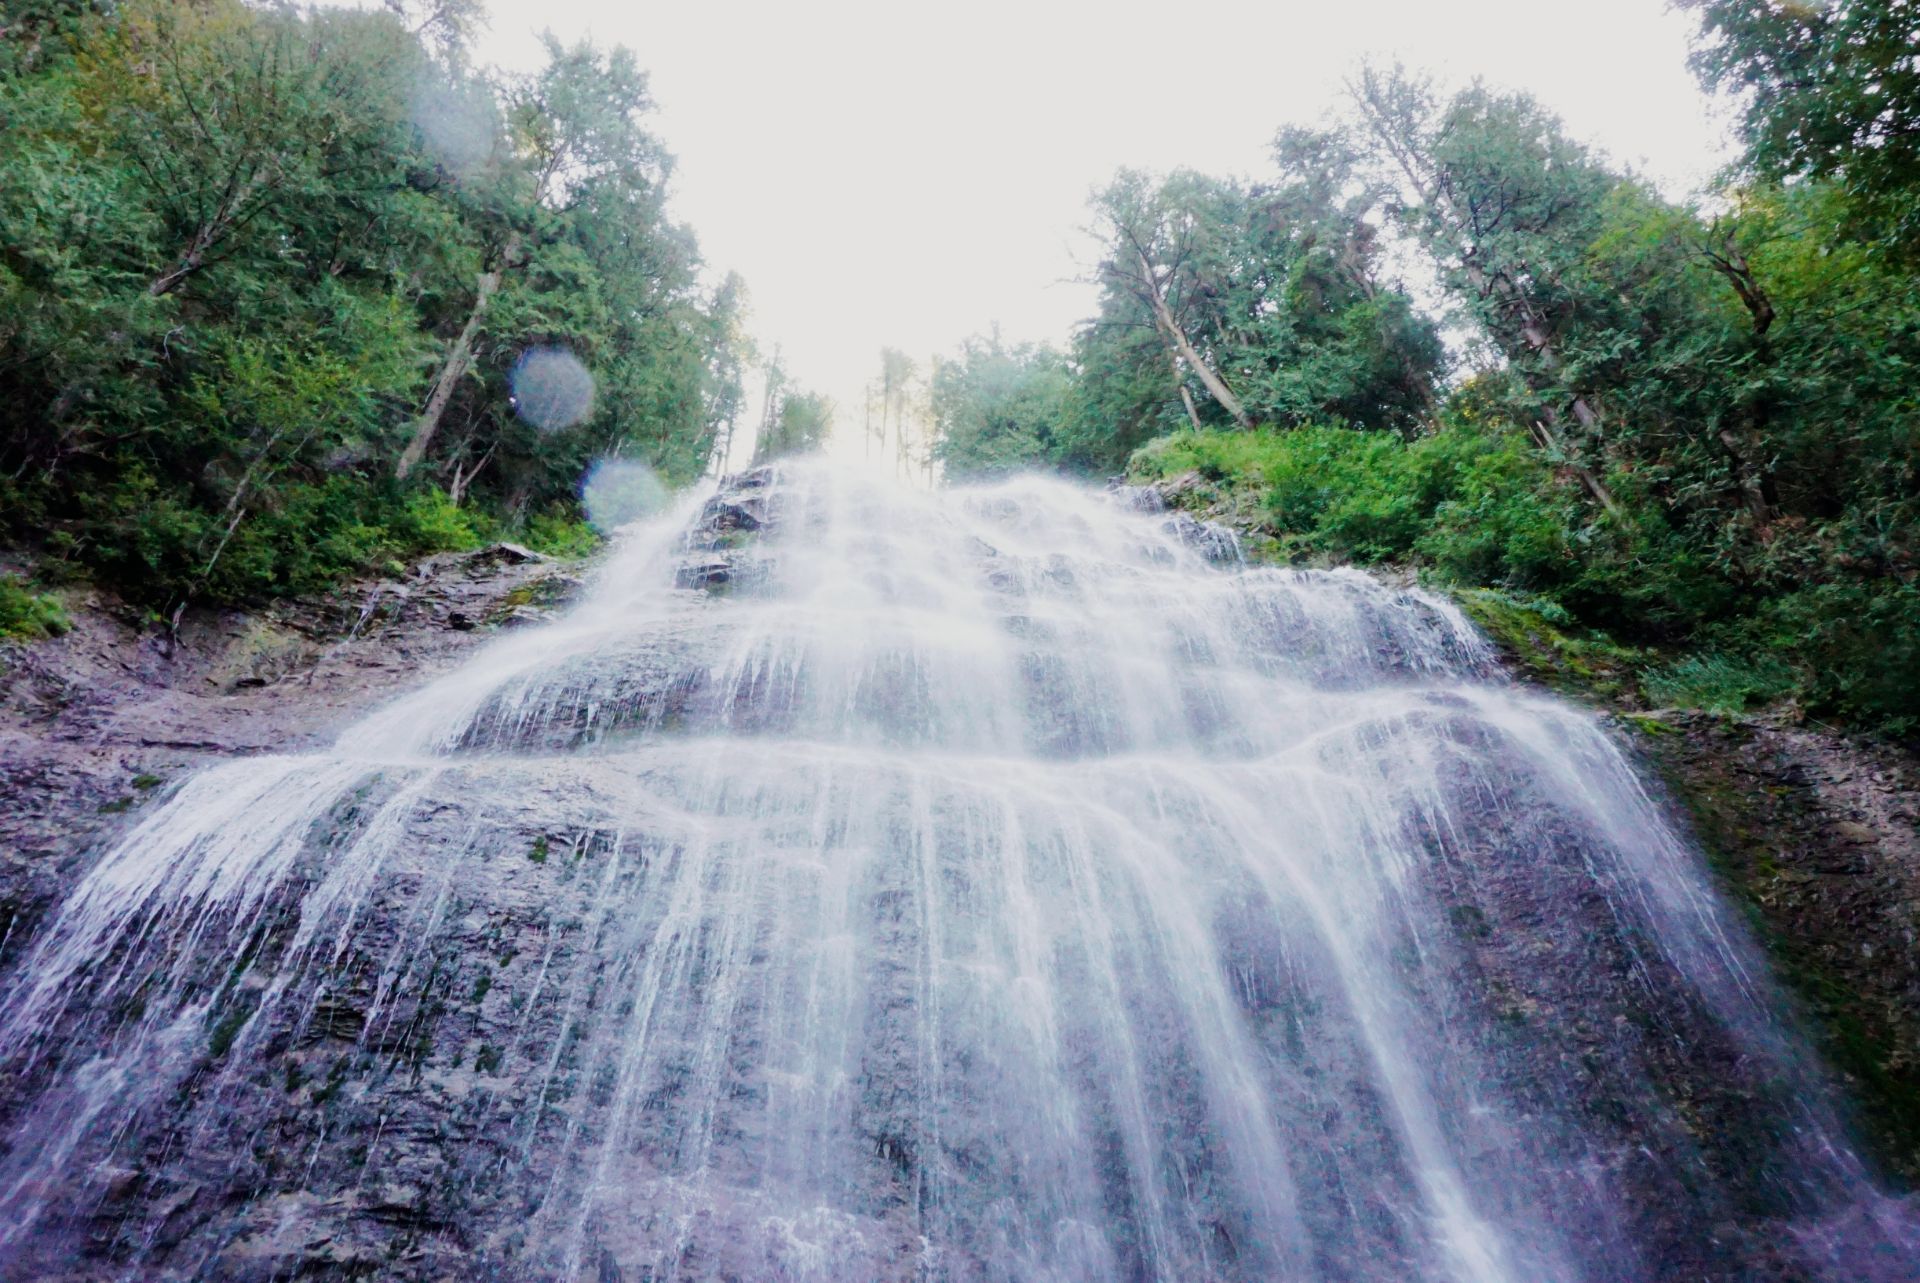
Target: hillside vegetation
{"x": 287, "y": 293}
{"x": 1441, "y": 331}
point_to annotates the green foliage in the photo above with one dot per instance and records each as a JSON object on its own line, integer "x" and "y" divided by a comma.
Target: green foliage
{"x": 1478, "y": 510}
{"x": 1719, "y": 683}
{"x": 1474, "y": 505}
{"x": 1856, "y": 644}
{"x": 1549, "y": 646}
{"x": 561, "y": 534}
{"x": 434, "y": 523}
{"x": 250, "y": 247}
{"x": 1828, "y": 90}
{"x": 998, "y": 409}
{"x": 27, "y": 615}
{"x": 1123, "y": 395}
{"x": 1699, "y": 434}
{"x": 1499, "y": 516}
{"x": 1223, "y": 302}
{"x": 796, "y": 423}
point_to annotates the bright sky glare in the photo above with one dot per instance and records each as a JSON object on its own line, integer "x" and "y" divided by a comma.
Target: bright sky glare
{"x": 902, "y": 174}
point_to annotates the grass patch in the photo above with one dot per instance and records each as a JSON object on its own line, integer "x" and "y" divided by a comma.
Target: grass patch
{"x": 1719, "y": 683}
{"x": 26, "y": 615}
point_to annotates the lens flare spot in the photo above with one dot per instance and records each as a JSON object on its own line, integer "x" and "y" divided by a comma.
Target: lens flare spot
{"x": 617, "y": 492}
{"x": 551, "y": 389}
{"x": 458, "y": 128}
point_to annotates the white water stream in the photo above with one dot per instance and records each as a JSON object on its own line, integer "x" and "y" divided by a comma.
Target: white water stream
{"x": 996, "y": 884}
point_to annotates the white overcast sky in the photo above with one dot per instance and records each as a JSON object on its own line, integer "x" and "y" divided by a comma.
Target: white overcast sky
{"x": 902, "y": 174}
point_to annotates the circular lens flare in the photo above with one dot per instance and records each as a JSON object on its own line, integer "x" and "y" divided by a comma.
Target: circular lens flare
{"x": 617, "y": 492}
{"x": 551, "y": 389}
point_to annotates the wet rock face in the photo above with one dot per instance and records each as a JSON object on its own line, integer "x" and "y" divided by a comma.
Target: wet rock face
{"x": 1818, "y": 837}
{"x": 991, "y": 887}
{"x": 721, "y": 552}
{"x": 1814, "y": 834}
{"x": 97, "y": 725}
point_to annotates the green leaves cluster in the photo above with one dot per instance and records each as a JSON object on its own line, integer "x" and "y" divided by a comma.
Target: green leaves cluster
{"x": 256, "y": 256}
{"x": 1727, "y": 395}
{"x": 1473, "y": 501}
{"x": 997, "y": 408}
{"x": 800, "y": 424}
{"x": 1829, "y": 90}
{"x": 792, "y": 419}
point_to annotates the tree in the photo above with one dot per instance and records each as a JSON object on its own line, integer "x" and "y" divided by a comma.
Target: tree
{"x": 895, "y": 388}
{"x": 1505, "y": 203}
{"x": 576, "y": 252}
{"x": 799, "y": 424}
{"x": 1153, "y": 247}
{"x": 446, "y": 27}
{"x": 574, "y": 145}
{"x": 1359, "y": 352}
{"x": 773, "y": 389}
{"x": 728, "y": 351}
{"x": 238, "y": 122}
{"x": 1829, "y": 89}
{"x": 261, "y": 260}
{"x": 1264, "y": 299}
{"x": 998, "y": 409}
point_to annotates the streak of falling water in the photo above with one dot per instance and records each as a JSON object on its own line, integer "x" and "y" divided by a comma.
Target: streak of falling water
{"x": 1002, "y": 884}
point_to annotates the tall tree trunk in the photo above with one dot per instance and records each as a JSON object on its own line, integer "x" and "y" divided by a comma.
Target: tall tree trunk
{"x": 1744, "y": 446}
{"x": 1186, "y": 393}
{"x": 453, "y": 368}
{"x": 451, "y": 371}
{"x": 1544, "y": 434}
{"x": 766, "y": 438}
{"x": 1428, "y": 185}
{"x": 1170, "y": 328}
{"x": 464, "y": 476}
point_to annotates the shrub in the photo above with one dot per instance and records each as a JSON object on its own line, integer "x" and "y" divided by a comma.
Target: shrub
{"x": 27, "y": 615}
{"x": 560, "y": 535}
{"x": 434, "y": 523}
{"x": 1476, "y": 507}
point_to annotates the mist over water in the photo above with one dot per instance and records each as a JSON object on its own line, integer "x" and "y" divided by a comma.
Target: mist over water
{"x": 998, "y": 884}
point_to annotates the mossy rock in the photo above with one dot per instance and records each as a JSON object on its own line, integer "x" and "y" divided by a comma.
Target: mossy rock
{"x": 1544, "y": 645}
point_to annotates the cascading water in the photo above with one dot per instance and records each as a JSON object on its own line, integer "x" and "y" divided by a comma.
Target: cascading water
{"x": 872, "y": 884}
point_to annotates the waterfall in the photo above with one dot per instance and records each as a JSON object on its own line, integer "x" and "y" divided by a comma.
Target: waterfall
{"x": 866, "y": 883}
